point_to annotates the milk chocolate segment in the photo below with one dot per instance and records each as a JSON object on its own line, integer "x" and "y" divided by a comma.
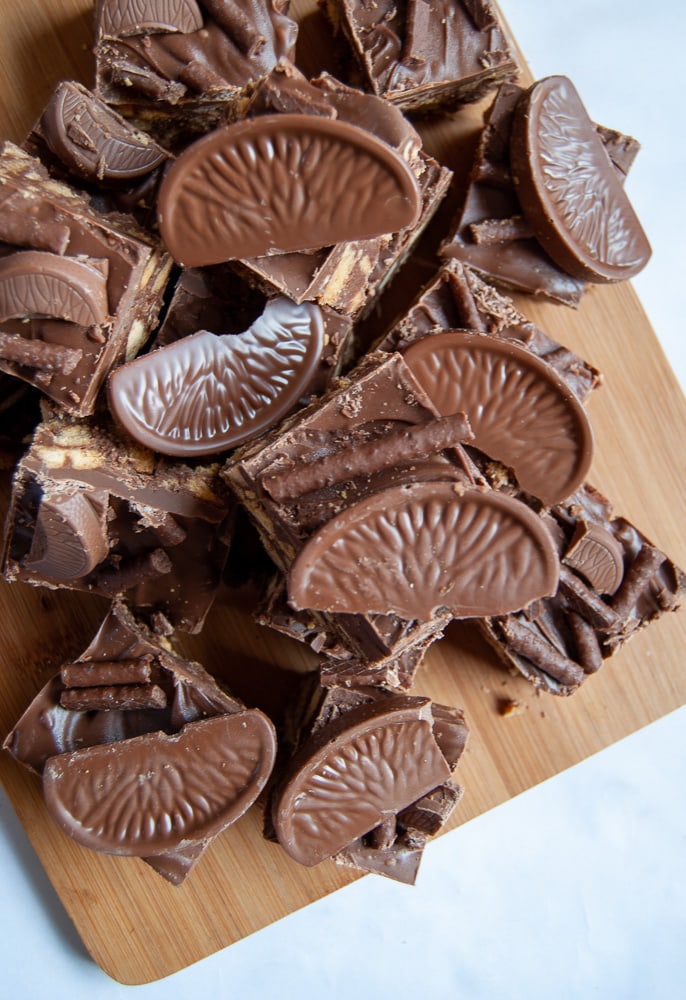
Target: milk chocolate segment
{"x": 144, "y": 17}
{"x": 93, "y": 141}
{"x": 596, "y": 555}
{"x": 281, "y": 183}
{"x": 70, "y": 537}
{"x": 206, "y": 393}
{"x": 354, "y": 773}
{"x": 151, "y": 794}
{"x": 568, "y": 188}
{"x": 412, "y": 550}
{"x": 521, "y": 411}
{"x": 38, "y": 283}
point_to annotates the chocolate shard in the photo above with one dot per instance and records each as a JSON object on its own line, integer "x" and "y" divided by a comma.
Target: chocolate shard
{"x": 21, "y": 228}
{"x": 521, "y": 411}
{"x": 353, "y": 774}
{"x": 38, "y": 283}
{"x": 281, "y": 183}
{"x": 121, "y": 18}
{"x": 367, "y": 458}
{"x": 207, "y": 393}
{"x": 413, "y": 550}
{"x": 93, "y": 141}
{"x": 155, "y": 793}
{"x": 568, "y": 188}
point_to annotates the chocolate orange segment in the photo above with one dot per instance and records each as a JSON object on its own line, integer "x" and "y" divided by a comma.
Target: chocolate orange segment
{"x": 410, "y": 550}
{"x": 70, "y": 538}
{"x": 155, "y": 793}
{"x": 39, "y": 283}
{"x": 119, "y": 18}
{"x": 280, "y": 183}
{"x": 93, "y": 141}
{"x": 206, "y": 393}
{"x": 568, "y": 188}
{"x": 370, "y": 764}
{"x": 520, "y": 410}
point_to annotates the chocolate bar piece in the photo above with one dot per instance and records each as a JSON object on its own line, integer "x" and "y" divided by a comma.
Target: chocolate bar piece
{"x": 369, "y": 782}
{"x": 493, "y": 232}
{"x": 86, "y": 143}
{"x": 350, "y": 276}
{"x": 79, "y": 291}
{"x": 425, "y": 56}
{"x": 371, "y": 457}
{"x": 132, "y": 758}
{"x": 92, "y": 511}
{"x": 174, "y": 69}
{"x": 613, "y": 582}
{"x": 457, "y": 298}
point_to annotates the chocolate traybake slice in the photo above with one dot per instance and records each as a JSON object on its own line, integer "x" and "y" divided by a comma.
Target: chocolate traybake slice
{"x": 425, "y": 56}
{"x": 80, "y": 292}
{"x": 142, "y": 754}
{"x": 90, "y": 510}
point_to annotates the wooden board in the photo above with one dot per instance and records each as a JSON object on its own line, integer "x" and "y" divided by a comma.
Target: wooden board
{"x": 136, "y": 926}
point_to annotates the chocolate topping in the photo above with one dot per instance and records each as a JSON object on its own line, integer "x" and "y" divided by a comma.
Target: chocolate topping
{"x": 521, "y": 411}
{"x": 568, "y": 188}
{"x": 37, "y": 283}
{"x": 70, "y": 538}
{"x": 354, "y": 773}
{"x": 119, "y": 18}
{"x": 280, "y": 183}
{"x": 151, "y": 794}
{"x": 206, "y": 393}
{"x": 93, "y": 141}
{"x": 411, "y": 550}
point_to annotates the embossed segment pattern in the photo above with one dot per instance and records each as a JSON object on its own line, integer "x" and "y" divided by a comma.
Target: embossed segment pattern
{"x": 412, "y": 550}
{"x": 147, "y": 795}
{"x": 36, "y": 283}
{"x": 136, "y": 17}
{"x": 207, "y": 392}
{"x": 282, "y": 183}
{"x": 520, "y": 411}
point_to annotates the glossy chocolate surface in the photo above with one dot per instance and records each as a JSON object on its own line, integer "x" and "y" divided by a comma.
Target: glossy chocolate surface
{"x": 568, "y": 188}
{"x": 156, "y": 793}
{"x": 280, "y": 183}
{"x": 413, "y": 550}
{"x": 207, "y": 392}
{"x": 93, "y": 141}
{"x": 37, "y": 283}
{"x": 353, "y": 773}
{"x": 423, "y": 55}
{"x": 521, "y": 411}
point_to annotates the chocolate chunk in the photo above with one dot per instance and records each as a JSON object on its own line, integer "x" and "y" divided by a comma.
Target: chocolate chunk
{"x": 106, "y": 672}
{"x": 411, "y": 550}
{"x": 70, "y": 538}
{"x": 94, "y": 142}
{"x": 119, "y": 18}
{"x": 207, "y": 393}
{"x": 152, "y": 794}
{"x": 282, "y": 183}
{"x": 37, "y": 283}
{"x": 354, "y": 773}
{"x": 568, "y": 188}
{"x": 595, "y": 554}
{"x": 521, "y": 411}
{"x": 38, "y": 354}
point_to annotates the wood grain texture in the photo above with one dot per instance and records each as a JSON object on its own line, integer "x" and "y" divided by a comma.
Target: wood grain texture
{"x": 136, "y": 926}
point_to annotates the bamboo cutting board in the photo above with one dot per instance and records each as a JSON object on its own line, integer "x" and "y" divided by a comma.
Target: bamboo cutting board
{"x": 135, "y": 925}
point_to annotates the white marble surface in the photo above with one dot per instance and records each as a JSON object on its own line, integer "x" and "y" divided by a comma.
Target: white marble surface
{"x": 574, "y": 890}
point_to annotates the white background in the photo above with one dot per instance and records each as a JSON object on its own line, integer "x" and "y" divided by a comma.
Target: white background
{"x": 574, "y": 890}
